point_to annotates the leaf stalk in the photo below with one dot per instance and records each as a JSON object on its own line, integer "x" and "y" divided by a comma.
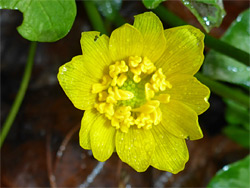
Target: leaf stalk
{"x": 20, "y": 94}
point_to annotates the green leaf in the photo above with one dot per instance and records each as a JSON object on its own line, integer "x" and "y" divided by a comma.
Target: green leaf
{"x": 237, "y": 114}
{"x": 109, "y": 8}
{"x": 151, "y": 4}
{"x": 234, "y": 175}
{"x": 209, "y": 13}
{"x": 238, "y": 118}
{"x": 224, "y": 68}
{"x": 238, "y": 134}
{"x": 43, "y": 21}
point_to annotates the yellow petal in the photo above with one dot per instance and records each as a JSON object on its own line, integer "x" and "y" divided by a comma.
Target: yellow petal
{"x": 190, "y": 91}
{"x": 89, "y": 118}
{"x": 125, "y": 41}
{"x": 171, "y": 153}
{"x": 180, "y": 120}
{"x": 102, "y": 136}
{"x": 184, "y": 51}
{"x": 135, "y": 147}
{"x": 76, "y": 82}
{"x": 95, "y": 52}
{"x": 151, "y": 29}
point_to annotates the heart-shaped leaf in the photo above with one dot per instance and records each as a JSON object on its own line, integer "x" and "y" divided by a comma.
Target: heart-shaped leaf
{"x": 43, "y": 21}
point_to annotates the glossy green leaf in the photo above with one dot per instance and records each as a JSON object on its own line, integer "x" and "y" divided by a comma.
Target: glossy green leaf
{"x": 224, "y": 68}
{"x": 109, "y": 8}
{"x": 234, "y": 175}
{"x": 43, "y": 21}
{"x": 152, "y": 4}
{"x": 209, "y": 13}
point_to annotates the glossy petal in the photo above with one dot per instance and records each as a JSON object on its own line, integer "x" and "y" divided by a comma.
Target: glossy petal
{"x": 184, "y": 51}
{"x": 102, "y": 136}
{"x": 125, "y": 41}
{"x": 189, "y": 91}
{"x": 180, "y": 120}
{"x": 171, "y": 153}
{"x": 95, "y": 52}
{"x": 135, "y": 147}
{"x": 76, "y": 82}
{"x": 152, "y": 31}
{"x": 88, "y": 120}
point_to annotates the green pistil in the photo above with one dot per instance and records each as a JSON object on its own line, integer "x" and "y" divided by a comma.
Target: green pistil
{"x": 138, "y": 89}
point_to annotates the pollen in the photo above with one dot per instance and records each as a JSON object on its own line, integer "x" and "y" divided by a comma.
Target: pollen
{"x": 131, "y": 92}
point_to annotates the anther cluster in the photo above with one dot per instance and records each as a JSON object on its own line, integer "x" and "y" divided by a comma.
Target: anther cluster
{"x": 131, "y": 93}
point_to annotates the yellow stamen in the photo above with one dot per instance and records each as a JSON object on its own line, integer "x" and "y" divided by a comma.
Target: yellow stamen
{"x": 114, "y": 88}
{"x": 134, "y": 61}
{"x": 98, "y": 87}
{"x": 122, "y": 94}
{"x": 122, "y": 79}
{"x": 103, "y": 96}
{"x": 149, "y": 107}
{"x": 137, "y": 66}
{"x": 159, "y": 82}
{"x": 122, "y": 118}
{"x": 111, "y": 97}
{"x": 105, "y": 108}
{"x": 149, "y": 91}
{"x": 117, "y": 68}
{"x": 148, "y": 67}
{"x": 137, "y": 78}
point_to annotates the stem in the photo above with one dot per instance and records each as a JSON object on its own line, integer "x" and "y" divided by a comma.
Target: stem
{"x": 227, "y": 49}
{"x": 94, "y": 16}
{"x": 224, "y": 91}
{"x": 169, "y": 17}
{"x": 210, "y": 41}
{"x": 20, "y": 95}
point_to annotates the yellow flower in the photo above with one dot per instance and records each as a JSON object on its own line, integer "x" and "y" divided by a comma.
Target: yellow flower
{"x": 138, "y": 91}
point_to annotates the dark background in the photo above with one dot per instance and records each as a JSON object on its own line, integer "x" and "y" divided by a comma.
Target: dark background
{"x": 42, "y": 150}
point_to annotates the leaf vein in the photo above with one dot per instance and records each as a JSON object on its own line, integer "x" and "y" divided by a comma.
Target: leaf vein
{"x": 48, "y": 17}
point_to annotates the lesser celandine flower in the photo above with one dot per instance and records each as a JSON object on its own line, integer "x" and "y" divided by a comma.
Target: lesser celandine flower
{"x": 138, "y": 91}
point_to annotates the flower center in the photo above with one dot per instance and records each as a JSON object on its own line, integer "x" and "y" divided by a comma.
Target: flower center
{"x": 130, "y": 95}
